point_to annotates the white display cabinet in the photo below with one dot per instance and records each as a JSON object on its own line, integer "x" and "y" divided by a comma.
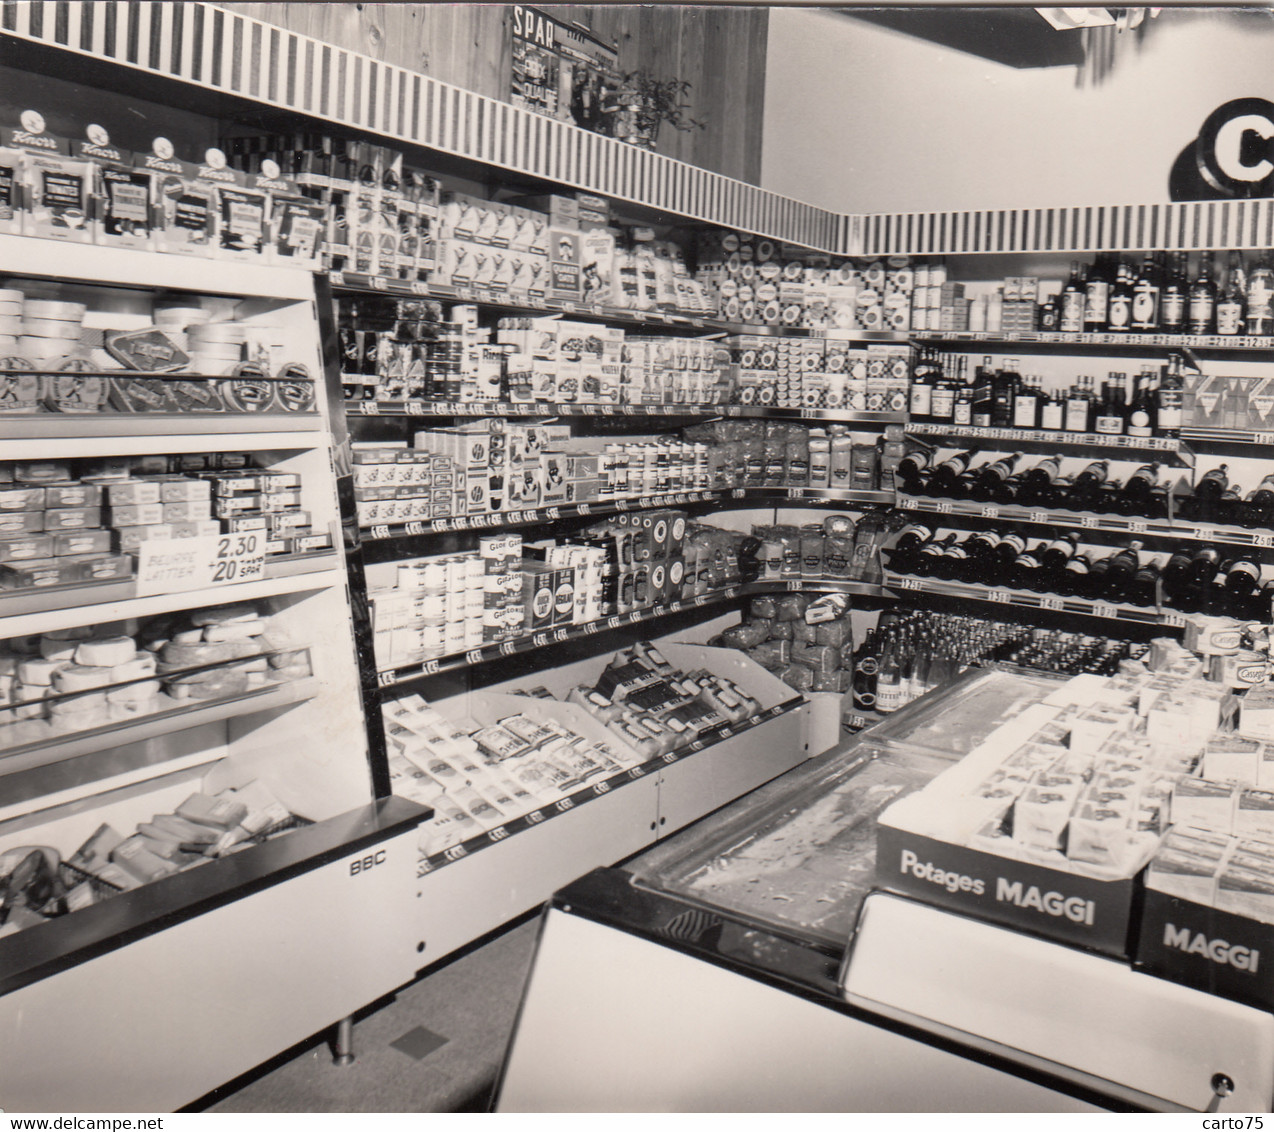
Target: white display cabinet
{"x": 237, "y": 950}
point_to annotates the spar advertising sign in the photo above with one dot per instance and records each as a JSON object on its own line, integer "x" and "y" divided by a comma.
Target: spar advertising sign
{"x": 1071, "y": 909}
{"x": 559, "y": 69}
{"x": 1233, "y": 156}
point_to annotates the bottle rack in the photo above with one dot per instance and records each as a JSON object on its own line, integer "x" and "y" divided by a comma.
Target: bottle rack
{"x": 1023, "y": 599}
{"x": 1088, "y": 521}
{"x": 1154, "y": 445}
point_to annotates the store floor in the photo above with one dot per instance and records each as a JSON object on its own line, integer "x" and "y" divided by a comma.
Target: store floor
{"x": 435, "y": 1046}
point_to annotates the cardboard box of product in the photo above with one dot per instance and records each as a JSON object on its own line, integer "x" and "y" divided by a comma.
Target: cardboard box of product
{"x": 1072, "y": 909}
{"x": 1204, "y": 947}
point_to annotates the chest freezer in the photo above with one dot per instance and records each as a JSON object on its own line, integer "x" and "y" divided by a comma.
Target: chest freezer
{"x": 748, "y": 964}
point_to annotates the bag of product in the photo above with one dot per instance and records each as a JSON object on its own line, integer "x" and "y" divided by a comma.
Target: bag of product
{"x": 782, "y": 630}
{"x": 790, "y": 607}
{"x": 772, "y": 655}
{"x": 763, "y": 607}
{"x": 822, "y": 658}
{"x": 798, "y": 676}
{"x": 744, "y": 636}
{"x": 837, "y": 633}
{"x": 838, "y": 681}
{"x": 803, "y": 633}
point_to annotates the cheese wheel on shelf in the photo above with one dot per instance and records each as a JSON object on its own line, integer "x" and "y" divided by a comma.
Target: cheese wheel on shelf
{"x": 60, "y": 652}
{"x": 11, "y": 295}
{"x": 187, "y": 656}
{"x": 233, "y": 631}
{"x": 39, "y": 671}
{"x": 48, "y": 308}
{"x": 139, "y": 667}
{"x": 134, "y": 693}
{"x": 106, "y": 653}
{"x": 220, "y": 614}
{"x": 188, "y": 637}
{"x": 76, "y": 705}
{"x": 51, "y": 328}
{"x": 81, "y": 677}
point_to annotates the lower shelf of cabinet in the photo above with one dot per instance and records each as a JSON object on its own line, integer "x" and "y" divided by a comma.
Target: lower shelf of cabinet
{"x": 60, "y": 768}
{"x": 588, "y": 793}
{"x": 1020, "y": 599}
{"x": 39, "y": 610}
{"x": 451, "y": 662}
{"x": 45, "y": 949}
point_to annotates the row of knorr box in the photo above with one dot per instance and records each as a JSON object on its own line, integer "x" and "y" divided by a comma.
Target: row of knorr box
{"x": 94, "y": 192}
{"x": 1127, "y": 815}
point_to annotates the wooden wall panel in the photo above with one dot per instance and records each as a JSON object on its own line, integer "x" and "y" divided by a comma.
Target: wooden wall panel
{"x": 718, "y": 49}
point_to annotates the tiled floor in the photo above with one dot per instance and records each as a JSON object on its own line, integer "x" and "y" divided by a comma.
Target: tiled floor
{"x": 435, "y": 1047}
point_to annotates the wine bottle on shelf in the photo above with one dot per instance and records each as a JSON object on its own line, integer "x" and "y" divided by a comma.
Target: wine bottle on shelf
{"x": 1169, "y": 398}
{"x": 1071, "y": 303}
{"x": 1204, "y": 564}
{"x": 1260, "y": 299}
{"x": 1135, "y": 495}
{"x": 1058, "y": 552}
{"x": 1260, "y": 504}
{"x": 906, "y": 551}
{"x": 1143, "y": 587}
{"x": 1201, "y": 304}
{"x": 1231, "y": 303}
{"x": 1145, "y": 297}
{"x": 1122, "y": 565}
{"x": 962, "y": 409}
{"x": 866, "y": 666}
{"x": 1052, "y": 412}
{"x": 1110, "y": 411}
{"x": 1003, "y": 390}
{"x": 1025, "y": 405}
{"x": 945, "y": 478}
{"x": 1009, "y": 546}
{"x": 1078, "y": 408}
{"x": 1119, "y": 305}
{"x": 1172, "y": 303}
{"x": 942, "y": 407}
{"x": 1208, "y": 492}
{"x": 1024, "y": 573}
{"x": 923, "y": 379}
{"x": 889, "y": 690}
{"x": 1229, "y": 508}
{"x": 981, "y": 562}
{"x": 1095, "y": 578}
{"x": 1037, "y": 481}
{"x": 928, "y": 561}
{"x": 951, "y": 565}
{"x": 992, "y": 479}
{"x": 983, "y": 394}
{"x": 1176, "y": 573}
{"x": 912, "y": 469}
{"x": 1242, "y": 577}
{"x": 1141, "y": 410}
{"x": 1088, "y": 484}
{"x": 1097, "y": 295}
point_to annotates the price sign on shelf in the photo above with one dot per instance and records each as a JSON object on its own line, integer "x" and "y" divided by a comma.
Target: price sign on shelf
{"x": 174, "y": 565}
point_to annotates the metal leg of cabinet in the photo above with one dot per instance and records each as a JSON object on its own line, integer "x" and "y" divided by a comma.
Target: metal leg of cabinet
{"x": 343, "y": 1049}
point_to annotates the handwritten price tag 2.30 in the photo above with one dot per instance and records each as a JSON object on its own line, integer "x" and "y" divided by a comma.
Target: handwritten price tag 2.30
{"x": 174, "y": 565}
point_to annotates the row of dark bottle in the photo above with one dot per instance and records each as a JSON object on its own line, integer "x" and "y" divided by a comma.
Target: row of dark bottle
{"x": 910, "y": 653}
{"x": 1194, "y": 580}
{"x": 1144, "y": 493}
{"x": 1144, "y": 405}
{"x": 1164, "y": 296}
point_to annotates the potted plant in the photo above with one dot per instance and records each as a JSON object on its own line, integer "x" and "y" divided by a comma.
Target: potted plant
{"x": 641, "y": 103}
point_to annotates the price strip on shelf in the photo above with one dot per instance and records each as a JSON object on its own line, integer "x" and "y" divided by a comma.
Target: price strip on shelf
{"x": 174, "y": 565}
{"x": 1103, "y": 610}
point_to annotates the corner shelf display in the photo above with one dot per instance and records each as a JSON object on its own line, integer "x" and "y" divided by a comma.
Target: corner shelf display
{"x": 178, "y": 682}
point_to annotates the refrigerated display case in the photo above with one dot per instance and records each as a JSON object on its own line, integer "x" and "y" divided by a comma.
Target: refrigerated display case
{"x": 753, "y": 963}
